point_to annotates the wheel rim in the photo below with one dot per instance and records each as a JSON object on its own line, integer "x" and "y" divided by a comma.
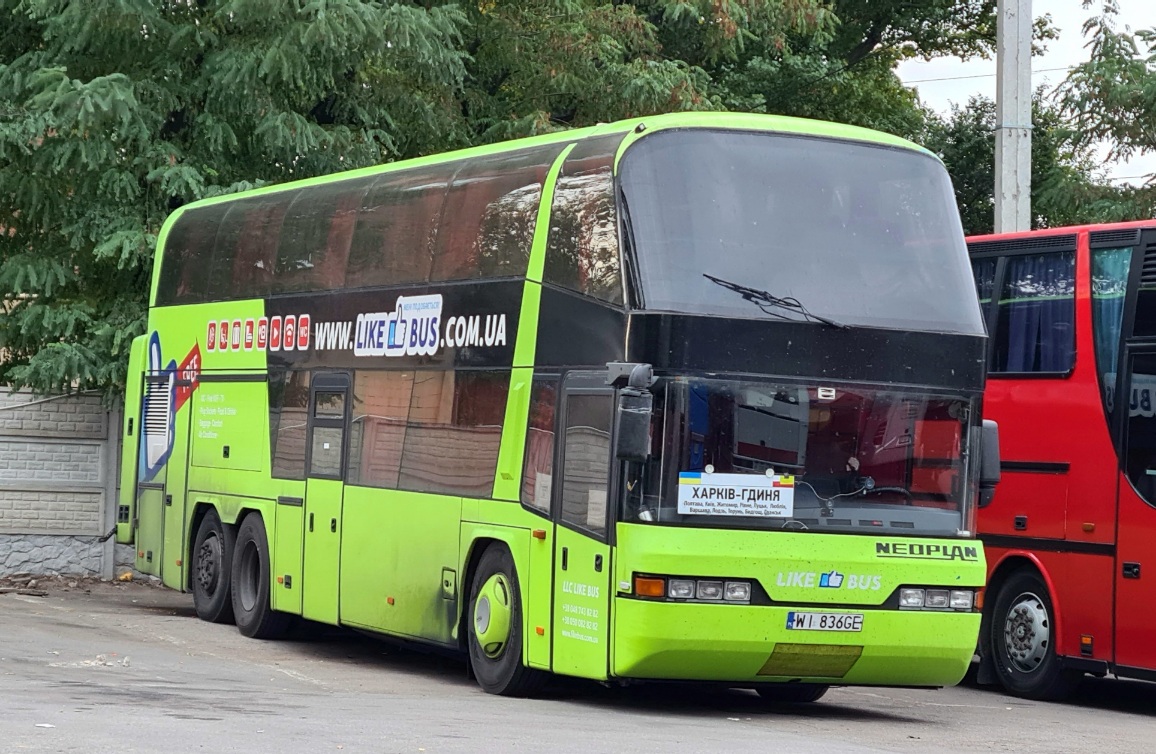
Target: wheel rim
{"x": 1027, "y": 633}
{"x": 209, "y": 564}
{"x": 250, "y": 576}
{"x": 492, "y": 616}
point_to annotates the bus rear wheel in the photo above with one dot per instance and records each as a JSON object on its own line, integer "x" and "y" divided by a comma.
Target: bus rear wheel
{"x": 251, "y": 578}
{"x": 792, "y": 693}
{"x": 212, "y": 565}
{"x": 495, "y": 627}
{"x": 1022, "y": 640}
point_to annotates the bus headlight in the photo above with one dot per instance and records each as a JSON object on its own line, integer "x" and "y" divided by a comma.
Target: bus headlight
{"x": 710, "y": 590}
{"x": 910, "y": 598}
{"x": 680, "y": 589}
{"x": 936, "y": 599}
{"x": 962, "y": 599}
{"x": 737, "y": 591}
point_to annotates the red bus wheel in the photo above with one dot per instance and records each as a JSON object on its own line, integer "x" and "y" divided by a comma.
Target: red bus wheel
{"x": 1022, "y": 640}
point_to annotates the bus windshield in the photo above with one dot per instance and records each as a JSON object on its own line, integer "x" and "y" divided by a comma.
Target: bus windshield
{"x": 861, "y": 234}
{"x": 762, "y": 455}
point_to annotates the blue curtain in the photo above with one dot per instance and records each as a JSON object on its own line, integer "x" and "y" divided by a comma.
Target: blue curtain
{"x": 1037, "y": 314}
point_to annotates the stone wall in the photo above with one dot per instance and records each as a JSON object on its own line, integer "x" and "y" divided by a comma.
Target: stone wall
{"x": 58, "y": 465}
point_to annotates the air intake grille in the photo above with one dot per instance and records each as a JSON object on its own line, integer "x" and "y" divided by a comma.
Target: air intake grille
{"x": 1033, "y": 244}
{"x": 157, "y": 407}
{"x": 1115, "y": 239}
{"x": 1148, "y": 273}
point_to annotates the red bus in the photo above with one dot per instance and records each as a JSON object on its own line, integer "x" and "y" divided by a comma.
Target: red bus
{"x": 1071, "y": 531}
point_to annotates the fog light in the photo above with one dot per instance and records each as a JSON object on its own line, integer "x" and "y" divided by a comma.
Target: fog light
{"x": 910, "y": 598}
{"x": 936, "y": 599}
{"x": 710, "y": 590}
{"x": 681, "y": 589}
{"x": 738, "y": 591}
{"x": 961, "y": 600}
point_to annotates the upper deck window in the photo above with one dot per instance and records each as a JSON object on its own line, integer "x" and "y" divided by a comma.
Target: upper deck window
{"x": 456, "y": 220}
{"x": 862, "y": 234}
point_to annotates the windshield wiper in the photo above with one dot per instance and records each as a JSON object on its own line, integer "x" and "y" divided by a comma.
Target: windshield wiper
{"x": 767, "y": 301}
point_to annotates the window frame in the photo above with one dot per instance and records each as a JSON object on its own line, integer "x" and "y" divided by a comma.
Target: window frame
{"x": 1002, "y": 251}
{"x": 585, "y": 384}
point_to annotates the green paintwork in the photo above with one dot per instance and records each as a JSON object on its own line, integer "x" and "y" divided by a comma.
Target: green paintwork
{"x": 395, "y": 547}
{"x": 581, "y": 606}
{"x": 286, "y": 552}
{"x": 130, "y": 433}
{"x": 323, "y": 526}
{"x": 733, "y": 642}
{"x": 492, "y": 612}
{"x": 398, "y": 562}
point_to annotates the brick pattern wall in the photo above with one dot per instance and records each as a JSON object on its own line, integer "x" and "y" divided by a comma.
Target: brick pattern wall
{"x": 53, "y": 467}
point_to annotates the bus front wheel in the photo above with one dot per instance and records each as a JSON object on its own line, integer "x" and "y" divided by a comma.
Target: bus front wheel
{"x": 212, "y": 564}
{"x": 495, "y": 627}
{"x": 792, "y": 693}
{"x": 251, "y": 583}
{"x": 1022, "y": 640}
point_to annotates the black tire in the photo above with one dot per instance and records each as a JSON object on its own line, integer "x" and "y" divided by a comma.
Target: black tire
{"x": 500, "y": 670}
{"x": 1022, "y": 641}
{"x": 212, "y": 566}
{"x": 251, "y": 582}
{"x": 792, "y": 693}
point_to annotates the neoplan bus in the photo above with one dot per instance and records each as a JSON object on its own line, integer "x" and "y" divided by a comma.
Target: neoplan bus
{"x": 689, "y": 397}
{"x": 1072, "y": 312}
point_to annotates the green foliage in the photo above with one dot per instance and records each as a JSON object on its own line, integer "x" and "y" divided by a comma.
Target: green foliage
{"x": 114, "y": 113}
{"x": 1068, "y": 187}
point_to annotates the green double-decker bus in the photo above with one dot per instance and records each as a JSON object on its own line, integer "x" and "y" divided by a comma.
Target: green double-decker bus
{"x": 688, "y": 397}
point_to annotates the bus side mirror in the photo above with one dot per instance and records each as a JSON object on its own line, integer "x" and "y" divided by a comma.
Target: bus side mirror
{"x": 635, "y": 408}
{"x": 989, "y": 462}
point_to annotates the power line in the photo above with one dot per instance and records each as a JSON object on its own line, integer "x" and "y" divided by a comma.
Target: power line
{"x": 984, "y": 75}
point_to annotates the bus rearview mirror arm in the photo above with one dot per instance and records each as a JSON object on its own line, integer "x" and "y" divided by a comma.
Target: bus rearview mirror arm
{"x": 634, "y": 409}
{"x": 989, "y": 471}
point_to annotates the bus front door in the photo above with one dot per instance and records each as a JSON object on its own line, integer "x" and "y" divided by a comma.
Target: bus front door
{"x": 582, "y": 568}
{"x": 1136, "y": 530}
{"x": 324, "y": 491}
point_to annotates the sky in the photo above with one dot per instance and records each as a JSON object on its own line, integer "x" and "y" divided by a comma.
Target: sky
{"x": 946, "y": 81}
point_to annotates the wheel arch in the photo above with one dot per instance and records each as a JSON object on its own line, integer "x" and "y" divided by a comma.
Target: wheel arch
{"x": 1011, "y": 563}
{"x": 477, "y": 545}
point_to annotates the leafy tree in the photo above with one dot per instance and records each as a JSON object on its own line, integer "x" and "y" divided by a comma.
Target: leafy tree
{"x": 114, "y": 113}
{"x": 1112, "y": 98}
{"x": 1067, "y": 185}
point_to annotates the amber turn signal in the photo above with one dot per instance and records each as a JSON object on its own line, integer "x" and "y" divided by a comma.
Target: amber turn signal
{"x": 648, "y": 586}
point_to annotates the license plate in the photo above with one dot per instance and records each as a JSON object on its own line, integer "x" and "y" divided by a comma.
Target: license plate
{"x": 825, "y": 621}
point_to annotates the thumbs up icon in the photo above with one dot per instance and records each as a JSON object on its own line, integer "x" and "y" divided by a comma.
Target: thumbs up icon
{"x": 832, "y": 580}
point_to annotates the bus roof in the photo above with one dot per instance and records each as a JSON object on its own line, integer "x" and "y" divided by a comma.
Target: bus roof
{"x": 1061, "y": 231}
{"x": 726, "y": 120}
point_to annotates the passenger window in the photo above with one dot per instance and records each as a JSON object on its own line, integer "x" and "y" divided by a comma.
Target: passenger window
{"x": 1109, "y": 283}
{"x": 453, "y": 432}
{"x": 582, "y": 249}
{"x": 586, "y": 461}
{"x": 377, "y": 432}
{"x": 984, "y": 272}
{"x": 316, "y": 237}
{"x": 1036, "y": 320}
{"x": 252, "y": 244}
{"x": 396, "y": 228}
{"x": 288, "y": 421}
{"x": 1140, "y": 463}
{"x": 188, "y": 257}
{"x": 538, "y": 468}
{"x": 491, "y": 210}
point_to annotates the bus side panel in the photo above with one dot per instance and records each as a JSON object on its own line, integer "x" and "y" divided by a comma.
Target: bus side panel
{"x": 1081, "y": 604}
{"x": 130, "y": 440}
{"x": 397, "y": 551}
{"x": 172, "y": 567}
{"x": 286, "y": 551}
{"x": 507, "y": 523}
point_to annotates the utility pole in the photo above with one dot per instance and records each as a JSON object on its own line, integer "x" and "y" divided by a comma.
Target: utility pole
{"x": 1013, "y": 114}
